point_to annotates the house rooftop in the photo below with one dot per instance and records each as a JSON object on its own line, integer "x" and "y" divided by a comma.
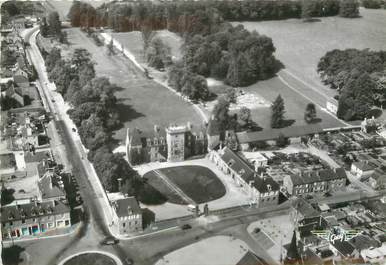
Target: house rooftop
{"x": 365, "y": 165}
{"x": 49, "y": 186}
{"x": 31, "y": 210}
{"x": 271, "y": 134}
{"x": 127, "y": 206}
{"x": 318, "y": 176}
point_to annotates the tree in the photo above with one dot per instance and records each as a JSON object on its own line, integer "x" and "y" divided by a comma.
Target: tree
{"x": 278, "y": 111}
{"x": 54, "y": 24}
{"x": 195, "y": 87}
{"x": 44, "y": 29}
{"x": 349, "y": 8}
{"x": 308, "y": 8}
{"x": 231, "y": 95}
{"x": 80, "y": 57}
{"x": 52, "y": 58}
{"x": 282, "y": 141}
{"x": 310, "y": 113}
{"x": 245, "y": 116}
{"x": 221, "y": 113}
{"x": 158, "y": 54}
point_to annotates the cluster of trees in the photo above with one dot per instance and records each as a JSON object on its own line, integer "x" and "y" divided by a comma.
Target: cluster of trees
{"x": 359, "y": 76}
{"x": 198, "y": 16}
{"x": 373, "y": 4}
{"x": 94, "y": 112}
{"x": 158, "y": 54}
{"x": 52, "y": 27}
{"x": 13, "y": 8}
{"x": 232, "y": 54}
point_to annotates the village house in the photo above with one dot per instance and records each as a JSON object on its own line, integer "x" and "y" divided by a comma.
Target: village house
{"x": 128, "y": 215}
{"x": 51, "y": 187}
{"x": 263, "y": 190}
{"x": 315, "y": 181}
{"x": 362, "y": 168}
{"x": 34, "y": 218}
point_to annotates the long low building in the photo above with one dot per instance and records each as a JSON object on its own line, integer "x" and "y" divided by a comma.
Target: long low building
{"x": 293, "y": 133}
{"x": 315, "y": 181}
{"x": 34, "y": 218}
{"x": 263, "y": 190}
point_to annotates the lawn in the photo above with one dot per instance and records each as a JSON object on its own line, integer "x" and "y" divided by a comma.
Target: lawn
{"x": 300, "y": 45}
{"x": 199, "y": 183}
{"x": 142, "y": 103}
{"x": 91, "y": 259}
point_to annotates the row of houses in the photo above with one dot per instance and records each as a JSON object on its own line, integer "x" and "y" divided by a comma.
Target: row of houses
{"x": 261, "y": 188}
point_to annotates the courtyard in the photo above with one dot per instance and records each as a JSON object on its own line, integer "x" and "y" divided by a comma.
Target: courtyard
{"x": 197, "y": 182}
{"x": 229, "y": 194}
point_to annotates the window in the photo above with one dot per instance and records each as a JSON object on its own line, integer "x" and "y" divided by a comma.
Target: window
{"x": 124, "y": 224}
{"x": 23, "y": 221}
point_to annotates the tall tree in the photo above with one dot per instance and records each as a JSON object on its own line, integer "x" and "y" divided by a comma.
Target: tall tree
{"x": 308, "y": 8}
{"x": 221, "y": 113}
{"x": 278, "y": 111}
{"x": 349, "y": 8}
{"x": 310, "y": 113}
{"x": 55, "y": 26}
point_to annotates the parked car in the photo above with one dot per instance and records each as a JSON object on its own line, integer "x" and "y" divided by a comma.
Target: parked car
{"x": 110, "y": 241}
{"x": 73, "y": 129}
{"x": 186, "y": 227}
{"x": 129, "y": 261}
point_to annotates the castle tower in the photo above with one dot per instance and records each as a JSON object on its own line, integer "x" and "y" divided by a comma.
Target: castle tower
{"x": 175, "y": 138}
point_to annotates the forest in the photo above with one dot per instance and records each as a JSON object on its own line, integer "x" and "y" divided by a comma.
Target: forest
{"x": 359, "y": 76}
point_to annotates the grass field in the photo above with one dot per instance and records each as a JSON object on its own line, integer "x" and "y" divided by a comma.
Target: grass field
{"x": 91, "y": 259}
{"x": 142, "y": 103}
{"x": 199, "y": 183}
{"x": 299, "y": 45}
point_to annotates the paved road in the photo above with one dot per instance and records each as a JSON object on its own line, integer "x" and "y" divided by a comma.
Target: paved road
{"x": 96, "y": 228}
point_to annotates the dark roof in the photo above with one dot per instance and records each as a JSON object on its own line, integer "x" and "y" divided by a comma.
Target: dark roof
{"x": 271, "y": 134}
{"x": 250, "y": 258}
{"x": 32, "y": 210}
{"x": 236, "y": 163}
{"x": 265, "y": 184}
{"x": 365, "y": 165}
{"x": 362, "y": 242}
{"x": 344, "y": 247}
{"x": 318, "y": 176}
{"x": 214, "y": 127}
{"x": 305, "y": 209}
{"x": 49, "y": 186}
{"x": 127, "y": 206}
{"x": 311, "y": 257}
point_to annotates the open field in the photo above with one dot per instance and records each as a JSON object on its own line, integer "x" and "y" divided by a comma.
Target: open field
{"x": 299, "y": 45}
{"x": 142, "y": 103}
{"x": 197, "y": 182}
